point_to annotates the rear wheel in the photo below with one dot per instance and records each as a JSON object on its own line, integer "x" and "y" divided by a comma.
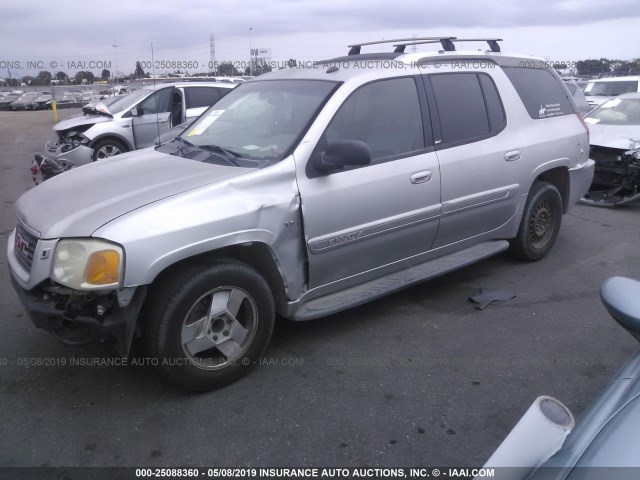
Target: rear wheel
{"x": 207, "y": 326}
{"x": 540, "y": 223}
{"x": 107, "y": 148}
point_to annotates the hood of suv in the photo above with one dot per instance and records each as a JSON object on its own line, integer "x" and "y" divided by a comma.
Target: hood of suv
{"x": 78, "y": 202}
{"x": 80, "y": 121}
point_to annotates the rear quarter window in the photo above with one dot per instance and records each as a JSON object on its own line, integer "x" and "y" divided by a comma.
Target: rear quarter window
{"x": 540, "y": 91}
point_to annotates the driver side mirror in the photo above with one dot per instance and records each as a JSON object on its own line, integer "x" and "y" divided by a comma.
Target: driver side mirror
{"x": 135, "y": 112}
{"x": 342, "y": 153}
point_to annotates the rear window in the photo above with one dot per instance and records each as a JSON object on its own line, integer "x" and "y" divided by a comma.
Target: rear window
{"x": 611, "y": 88}
{"x": 540, "y": 91}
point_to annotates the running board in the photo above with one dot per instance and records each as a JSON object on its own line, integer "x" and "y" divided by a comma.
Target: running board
{"x": 365, "y": 292}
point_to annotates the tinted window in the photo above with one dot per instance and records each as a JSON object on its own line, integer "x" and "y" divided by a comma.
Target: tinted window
{"x": 461, "y": 107}
{"x": 201, "y": 96}
{"x": 159, "y": 102}
{"x": 571, "y": 87}
{"x": 540, "y": 91}
{"x": 495, "y": 110}
{"x": 385, "y": 115}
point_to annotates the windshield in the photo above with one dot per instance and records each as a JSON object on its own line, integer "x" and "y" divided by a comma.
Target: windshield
{"x": 129, "y": 100}
{"x": 28, "y": 96}
{"x": 616, "y": 112}
{"x": 260, "y": 120}
{"x": 611, "y": 89}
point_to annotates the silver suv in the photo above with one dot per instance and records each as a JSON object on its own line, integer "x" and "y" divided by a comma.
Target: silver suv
{"x": 301, "y": 193}
{"x": 126, "y": 123}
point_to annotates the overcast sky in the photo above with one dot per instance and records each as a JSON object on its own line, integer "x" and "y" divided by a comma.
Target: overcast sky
{"x": 62, "y": 33}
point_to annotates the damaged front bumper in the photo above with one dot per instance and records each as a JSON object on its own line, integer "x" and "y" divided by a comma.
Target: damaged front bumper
{"x": 74, "y": 317}
{"x": 617, "y": 177}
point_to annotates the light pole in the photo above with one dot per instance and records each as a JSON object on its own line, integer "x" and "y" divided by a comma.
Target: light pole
{"x": 115, "y": 51}
{"x": 250, "y": 54}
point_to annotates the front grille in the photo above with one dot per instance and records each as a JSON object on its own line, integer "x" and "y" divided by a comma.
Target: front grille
{"x": 24, "y": 247}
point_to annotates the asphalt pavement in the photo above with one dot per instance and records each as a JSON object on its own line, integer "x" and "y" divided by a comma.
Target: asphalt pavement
{"x": 419, "y": 378}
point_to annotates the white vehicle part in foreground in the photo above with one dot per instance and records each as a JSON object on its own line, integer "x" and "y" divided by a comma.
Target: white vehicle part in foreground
{"x": 536, "y": 437}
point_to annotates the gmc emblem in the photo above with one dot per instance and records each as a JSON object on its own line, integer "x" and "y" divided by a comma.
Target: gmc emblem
{"x": 21, "y": 245}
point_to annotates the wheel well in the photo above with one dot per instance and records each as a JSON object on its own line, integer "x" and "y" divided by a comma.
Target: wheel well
{"x": 559, "y": 178}
{"x": 255, "y": 254}
{"x": 118, "y": 138}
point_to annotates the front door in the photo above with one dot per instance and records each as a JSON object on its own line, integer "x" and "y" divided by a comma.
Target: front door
{"x": 360, "y": 219}
{"x": 153, "y": 119}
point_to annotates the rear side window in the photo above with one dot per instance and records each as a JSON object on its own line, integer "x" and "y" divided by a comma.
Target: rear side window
{"x": 468, "y": 105}
{"x": 540, "y": 91}
{"x": 201, "y": 96}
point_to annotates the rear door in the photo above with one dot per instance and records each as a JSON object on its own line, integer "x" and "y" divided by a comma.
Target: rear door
{"x": 153, "y": 118}
{"x": 362, "y": 218}
{"x": 478, "y": 161}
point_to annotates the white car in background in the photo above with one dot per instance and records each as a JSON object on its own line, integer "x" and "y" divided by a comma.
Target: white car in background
{"x": 603, "y": 89}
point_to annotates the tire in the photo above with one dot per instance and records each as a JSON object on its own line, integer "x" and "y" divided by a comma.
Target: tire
{"x": 540, "y": 223}
{"x": 107, "y": 148}
{"x": 201, "y": 347}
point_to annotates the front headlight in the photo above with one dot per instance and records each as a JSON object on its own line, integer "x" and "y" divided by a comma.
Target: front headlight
{"x": 88, "y": 264}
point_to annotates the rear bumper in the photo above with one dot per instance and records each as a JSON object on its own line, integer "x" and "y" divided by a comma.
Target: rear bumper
{"x": 580, "y": 178}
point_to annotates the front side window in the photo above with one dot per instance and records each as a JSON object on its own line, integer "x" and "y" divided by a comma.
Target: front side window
{"x": 158, "y": 102}
{"x": 385, "y": 115}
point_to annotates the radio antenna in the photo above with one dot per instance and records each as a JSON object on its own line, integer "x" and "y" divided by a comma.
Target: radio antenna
{"x": 155, "y": 92}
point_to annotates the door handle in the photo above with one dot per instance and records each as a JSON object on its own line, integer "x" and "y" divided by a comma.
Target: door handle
{"x": 512, "y": 156}
{"x": 421, "y": 177}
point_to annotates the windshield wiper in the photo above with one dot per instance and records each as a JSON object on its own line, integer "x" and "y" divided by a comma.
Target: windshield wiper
{"x": 185, "y": 144}
{"x": 228, "y": 155}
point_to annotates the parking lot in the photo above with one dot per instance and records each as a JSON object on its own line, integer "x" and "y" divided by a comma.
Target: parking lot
{"x": 417, "y": 378}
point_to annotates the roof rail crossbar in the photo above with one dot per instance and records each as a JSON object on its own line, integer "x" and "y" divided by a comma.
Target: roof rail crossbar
{"x": 448, "y": 43}
{"x": 400, "y": 47}
{"x": 354, "y": 49}
{"x": 493, "y": 42}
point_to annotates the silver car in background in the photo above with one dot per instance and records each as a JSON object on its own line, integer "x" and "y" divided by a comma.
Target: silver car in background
{"x": 124, "y": 123}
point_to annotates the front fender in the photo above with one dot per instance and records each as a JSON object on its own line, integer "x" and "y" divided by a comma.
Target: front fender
{"x": 260, "y": 206}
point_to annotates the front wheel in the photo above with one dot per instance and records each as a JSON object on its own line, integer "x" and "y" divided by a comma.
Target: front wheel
{"x": 107, "y": 148}
{"x": 540, "y": 223}
{"x": 207, "y": 326}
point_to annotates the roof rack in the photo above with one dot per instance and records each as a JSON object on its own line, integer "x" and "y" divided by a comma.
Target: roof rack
{"x": 354, "y": 49}
{"x": 448, "y": 43}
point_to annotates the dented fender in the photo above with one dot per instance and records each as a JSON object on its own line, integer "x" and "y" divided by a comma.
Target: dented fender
{"x": 258, "y": 206}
